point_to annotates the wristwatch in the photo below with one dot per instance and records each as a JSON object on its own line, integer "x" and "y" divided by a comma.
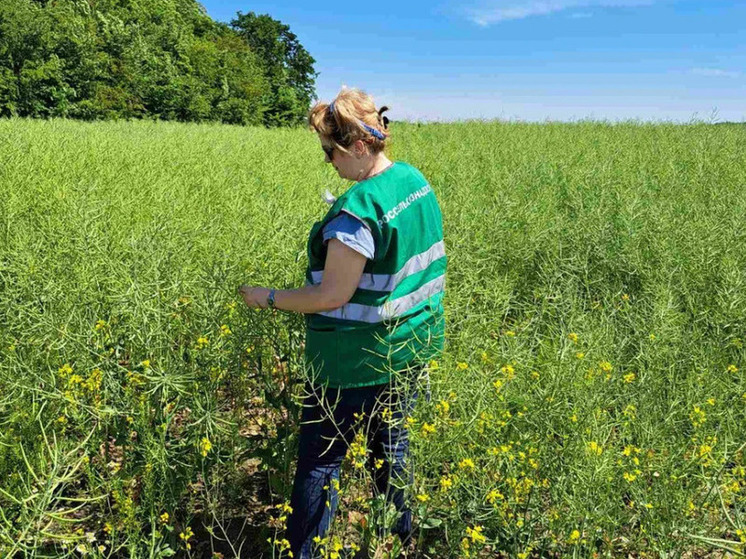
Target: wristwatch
{"x": 271, "y": 299}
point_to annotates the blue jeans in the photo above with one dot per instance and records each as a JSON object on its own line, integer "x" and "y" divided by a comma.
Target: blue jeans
{"x": 324, "y": 443}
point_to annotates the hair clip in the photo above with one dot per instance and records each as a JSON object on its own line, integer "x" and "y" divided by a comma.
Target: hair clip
{"x": 377, "y": 133}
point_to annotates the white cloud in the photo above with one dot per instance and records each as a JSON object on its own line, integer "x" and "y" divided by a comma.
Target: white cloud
{"x": 581, "y": 15}
{"x": 494, "y": 12}
{"x": 715, "y": 73}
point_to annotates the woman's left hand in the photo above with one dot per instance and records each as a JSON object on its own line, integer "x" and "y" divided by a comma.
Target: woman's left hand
{"x": 254, "y": 297}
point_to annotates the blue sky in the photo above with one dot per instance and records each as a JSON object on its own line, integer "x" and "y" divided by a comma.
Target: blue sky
{"x": 527, "y": 60}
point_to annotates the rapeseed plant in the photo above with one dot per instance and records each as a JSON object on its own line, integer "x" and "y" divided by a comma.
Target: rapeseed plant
{"x": 697, "y": 416}
{"x": 185, "y": 536}
{"x": 205, "y": 446}
{"x": 536, "y": 294}
{"x": 594, "y": 448}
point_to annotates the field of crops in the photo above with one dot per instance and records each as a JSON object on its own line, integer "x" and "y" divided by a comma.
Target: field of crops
{"x": 591, "y": 401}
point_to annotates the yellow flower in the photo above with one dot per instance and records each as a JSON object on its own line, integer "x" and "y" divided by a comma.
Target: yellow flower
{"x": 629, "y": 377}
{"x": 625, "y": 297}
{"x": 697, "y": 416}
{"x": 574, "y": 418}
{"x": 225, "y": 331}
{"x": 378, "y": 464}
{"x": 443, "y": 407}
{"x": 704, "y": 450}
{"x": 580, "y": 355}
{"x": 732, "y": 369}
{"x": 185, "y": 537}
{"x": 387, "y": 415}
{"x": 493, "y": 496}
{"x": 484, "y": 356}
{"x": 630, "y": 411}
{"x": 283, "y": 545}
{"x": 574, "y": 537}
{"x": 164, "y": 518}
{"x": 711, "y": 401}
{"x": 446, "y": 483}
{"x": 594, "y": 448}
{"x": 466, "y": 463}
{"x": 605, "y": 366}
{"x": 423, "y": 498}
{"x": 433, "y": 365}
{"x": 205, "y": 446}
{"x": 629, "y": 449}
{"x": 510, "y": 334}
{"x": 100, "y": 324}
{"x": 145, "y": 364}
{"x": 652, "y": 337}
{"x": 629, "y": 477}
{"x": 428, "y": 429}
{"x": 93, "y": 384}
{"x": 462, "y": 366}
{"x": 535, "y": 375}
{"x": 508, "y": 371}
{"x": 476, "y": 534}
{"x": 573, "y": 337}
{"x": 202, "y": 341}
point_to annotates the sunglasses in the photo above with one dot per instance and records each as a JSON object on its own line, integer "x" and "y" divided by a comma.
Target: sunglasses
{"x": 329, "y": 151}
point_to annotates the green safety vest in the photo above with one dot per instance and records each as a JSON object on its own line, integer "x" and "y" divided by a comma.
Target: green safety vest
{"x": 394, "y": 320}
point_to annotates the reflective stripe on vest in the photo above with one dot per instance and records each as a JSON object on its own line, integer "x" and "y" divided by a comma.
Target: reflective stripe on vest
{"x": 390, "y": 309}
{"x": 388, "y": 282}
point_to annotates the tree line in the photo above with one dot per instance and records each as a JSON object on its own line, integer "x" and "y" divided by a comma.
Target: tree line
{"x": 164, "y": 59}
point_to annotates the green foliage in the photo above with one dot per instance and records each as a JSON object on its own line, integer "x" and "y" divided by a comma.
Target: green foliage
{"x": 288, "y": 67}
{"x": 166, "y": 60}
{"x": 591, "y": 400}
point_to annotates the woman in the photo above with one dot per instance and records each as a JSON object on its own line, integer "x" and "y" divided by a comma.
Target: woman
{"x": 374, "y": 314}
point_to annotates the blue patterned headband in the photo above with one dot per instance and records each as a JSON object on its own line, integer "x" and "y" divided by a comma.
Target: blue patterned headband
{"x": 376, "y": 133}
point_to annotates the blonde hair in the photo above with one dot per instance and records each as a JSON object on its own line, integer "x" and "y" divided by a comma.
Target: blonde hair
{"x": 342, "y": 122}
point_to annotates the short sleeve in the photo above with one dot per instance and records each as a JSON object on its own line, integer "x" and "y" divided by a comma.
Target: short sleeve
{"x": 352, "y": 232}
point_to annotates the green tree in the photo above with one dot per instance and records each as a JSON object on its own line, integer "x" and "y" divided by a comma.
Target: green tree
{"x": 162, "y": 59}
{"x": 287, "y": 65}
